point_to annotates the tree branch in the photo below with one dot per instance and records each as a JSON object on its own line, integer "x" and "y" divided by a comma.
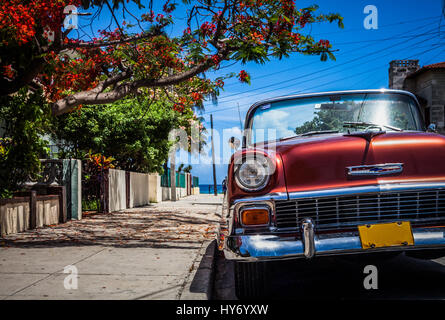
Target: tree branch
{"x": 96, "y": 95}
{"x": 99, "y": 96}
{"x": 90, "y": 45}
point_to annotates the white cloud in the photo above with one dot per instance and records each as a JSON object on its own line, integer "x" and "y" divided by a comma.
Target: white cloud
{"x": 275, "y": 119}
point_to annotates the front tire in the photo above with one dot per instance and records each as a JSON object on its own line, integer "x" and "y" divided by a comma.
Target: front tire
{"x": 250, "y": 279}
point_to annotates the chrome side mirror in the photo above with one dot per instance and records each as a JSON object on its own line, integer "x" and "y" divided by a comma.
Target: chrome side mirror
{"x": 432, "y": 128}
{"x": 234, "y": 143}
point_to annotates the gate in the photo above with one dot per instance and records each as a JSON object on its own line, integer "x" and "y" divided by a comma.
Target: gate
{"x": 94, "y": 185}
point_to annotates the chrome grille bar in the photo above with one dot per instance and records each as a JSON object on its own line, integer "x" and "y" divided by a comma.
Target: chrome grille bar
{"x": 418, "y": 206}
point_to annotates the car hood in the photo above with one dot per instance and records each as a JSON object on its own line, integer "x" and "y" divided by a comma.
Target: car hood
{"x": 320, "y": 162}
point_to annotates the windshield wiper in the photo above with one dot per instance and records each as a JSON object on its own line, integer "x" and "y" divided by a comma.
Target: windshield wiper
{"x": 362, "y": 124}
{"x": 310, "y": 133}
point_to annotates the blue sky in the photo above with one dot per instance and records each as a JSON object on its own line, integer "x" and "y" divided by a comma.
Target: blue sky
{"x": 407, "y": 29}
{"x": 361, "y": 62}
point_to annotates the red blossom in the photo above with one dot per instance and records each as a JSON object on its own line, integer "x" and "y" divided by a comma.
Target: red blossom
{"x": 8, "y": 71}
{"x": 168, "y": 7}
{"x": 243, "y": 76}
{"x": 153, "y": 57}
{"x": 207, "y": 29}
{"x": 23, "y": 18}
{"x": 324, "y": 43}
{"x": 219, "y": 83}
{"x": 304, "y": 19}
{"x": 148, "y": 17}
{"x": 196, "y": 96}
{"x": 216, "y": 59}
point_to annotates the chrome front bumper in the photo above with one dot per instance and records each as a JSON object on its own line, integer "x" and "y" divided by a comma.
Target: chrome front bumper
{"x": 238, "y": 244}
{"x": 273, "y": 247}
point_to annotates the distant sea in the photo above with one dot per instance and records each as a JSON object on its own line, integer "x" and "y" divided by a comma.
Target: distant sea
{"x": 204, "y": 188}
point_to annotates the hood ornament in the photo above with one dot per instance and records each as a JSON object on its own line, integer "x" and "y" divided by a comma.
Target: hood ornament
{"x": 367, "y": 135}
{"x": 375, "y": 169}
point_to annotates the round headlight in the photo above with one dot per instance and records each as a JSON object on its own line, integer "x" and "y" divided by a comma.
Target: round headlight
{"x": 253, "y": 174}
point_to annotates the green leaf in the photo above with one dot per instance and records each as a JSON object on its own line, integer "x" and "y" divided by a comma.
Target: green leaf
{"x": 324, "y": 56}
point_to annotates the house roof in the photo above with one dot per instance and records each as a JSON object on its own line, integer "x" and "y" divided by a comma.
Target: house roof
{"x": 438, "y": 65}
{"x": 434, "y": 66}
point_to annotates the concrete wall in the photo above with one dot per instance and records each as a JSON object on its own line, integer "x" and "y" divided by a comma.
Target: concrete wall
{"x": 144, "y": 188}
{"x": 398, "y": 70}
{"x": 166, "y": 193}
{"x": 116, "y": 189}
{"x": 182, "y": 192}
{"x": 14, "y": 217}
{"x": 139, "y": 189}
{"x": 154, "y": 189}
{"x": 430, "y": 85}
{"x": 47, "y": 212}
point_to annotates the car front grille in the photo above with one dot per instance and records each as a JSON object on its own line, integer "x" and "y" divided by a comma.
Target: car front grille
{"x": 420, "y": 207}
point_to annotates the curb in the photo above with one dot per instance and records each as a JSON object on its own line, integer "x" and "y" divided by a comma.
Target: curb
{"x": 199, "y": 283}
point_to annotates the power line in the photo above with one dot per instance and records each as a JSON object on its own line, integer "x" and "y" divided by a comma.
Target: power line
{"x": 327, "y": 68}
{"x": 355, "y": 29}
{"x": 382, "y": 26}
{"x": 336, "y": 80}
{"x": 402, "y": 34}
{"x": 386, "y": 39}
{"x": 370, "y": 85}
{"x": 369, "y": 70}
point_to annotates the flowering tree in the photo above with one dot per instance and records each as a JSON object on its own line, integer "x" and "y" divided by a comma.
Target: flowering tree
{"x": 23, "y": 120}
{"x": 139, "y": 56}
{"x": 133, "y": 131}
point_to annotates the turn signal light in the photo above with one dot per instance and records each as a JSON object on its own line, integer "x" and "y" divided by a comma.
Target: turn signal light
{"x": 252, "y": 217}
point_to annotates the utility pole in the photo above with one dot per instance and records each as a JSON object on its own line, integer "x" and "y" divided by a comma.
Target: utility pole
{"x": 173, "y": 155}
{"x": 173, "y": 175}
{"x": 215, "y": 190}
{"x": 239, "y": 115}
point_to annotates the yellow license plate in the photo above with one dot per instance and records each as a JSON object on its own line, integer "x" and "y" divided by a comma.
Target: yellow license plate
{"x": 386, "y": 235}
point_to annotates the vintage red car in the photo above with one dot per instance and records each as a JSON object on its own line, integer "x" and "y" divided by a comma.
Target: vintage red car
{"x": 335, "y": 173}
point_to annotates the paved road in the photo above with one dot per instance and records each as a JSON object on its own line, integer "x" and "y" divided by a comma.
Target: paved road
{"x": 151, "y": 252}
{"x": 401, "y": 277}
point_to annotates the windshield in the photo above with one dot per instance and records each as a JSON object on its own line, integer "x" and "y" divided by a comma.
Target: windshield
{"x": 336, "y": 113}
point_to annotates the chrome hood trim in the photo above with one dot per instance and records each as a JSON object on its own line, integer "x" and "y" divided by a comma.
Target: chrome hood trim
{"x": 266, "y": 197}
{"x": 367, "y": 189}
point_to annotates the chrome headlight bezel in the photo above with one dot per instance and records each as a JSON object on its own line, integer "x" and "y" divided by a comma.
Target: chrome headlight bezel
{"x": 260, "y": 164}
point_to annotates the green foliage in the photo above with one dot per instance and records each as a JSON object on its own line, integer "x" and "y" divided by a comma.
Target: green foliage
{"x": 134, "y": 132}
{"x": 325, "y": 120}
{"x": 333, "y": 119}
{"x": 24, "y": 119}
{"x": 184, "y": 168}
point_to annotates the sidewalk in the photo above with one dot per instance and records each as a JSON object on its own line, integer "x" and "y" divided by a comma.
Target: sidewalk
{"x": 151, "y": 252}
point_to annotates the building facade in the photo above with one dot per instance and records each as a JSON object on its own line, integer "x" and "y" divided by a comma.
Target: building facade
{"x": 427, "y": 83}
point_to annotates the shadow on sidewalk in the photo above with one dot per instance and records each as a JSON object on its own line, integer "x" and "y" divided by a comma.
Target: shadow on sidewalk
{"x": 154, "y": 229}
{"x": 203, "y": 280}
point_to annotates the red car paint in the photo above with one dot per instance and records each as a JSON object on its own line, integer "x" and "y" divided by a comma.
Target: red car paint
{"x": 319, "y": 162}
